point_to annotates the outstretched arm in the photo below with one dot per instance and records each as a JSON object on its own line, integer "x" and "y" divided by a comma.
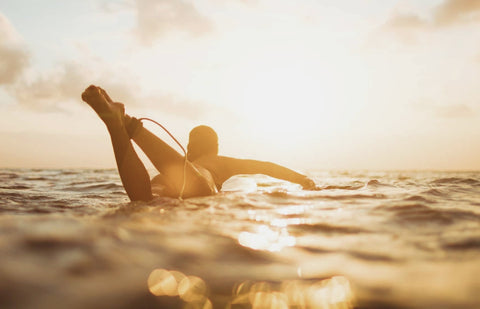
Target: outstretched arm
{"x": 245, "y": 166}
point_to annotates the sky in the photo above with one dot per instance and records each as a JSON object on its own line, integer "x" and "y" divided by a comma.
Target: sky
{"x": 310, "y": 84}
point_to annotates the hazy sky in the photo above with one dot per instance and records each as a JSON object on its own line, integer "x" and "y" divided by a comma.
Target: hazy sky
{"x": 313, "y": 84}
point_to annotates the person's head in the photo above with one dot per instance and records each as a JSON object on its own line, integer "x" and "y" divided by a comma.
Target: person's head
{"x": 203, "y": 140}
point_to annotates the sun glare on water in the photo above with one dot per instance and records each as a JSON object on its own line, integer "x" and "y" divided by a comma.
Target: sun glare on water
{"x": 329, "y": 293}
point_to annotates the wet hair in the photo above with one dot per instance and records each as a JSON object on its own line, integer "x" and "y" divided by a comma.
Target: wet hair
{"x": 203, "y": 140}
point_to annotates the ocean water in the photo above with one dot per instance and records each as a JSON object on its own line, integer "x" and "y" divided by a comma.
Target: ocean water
{"x": 71, "y": 239}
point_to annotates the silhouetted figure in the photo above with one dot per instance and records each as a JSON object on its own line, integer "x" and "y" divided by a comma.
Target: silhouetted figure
{"x": 205, "y": 171}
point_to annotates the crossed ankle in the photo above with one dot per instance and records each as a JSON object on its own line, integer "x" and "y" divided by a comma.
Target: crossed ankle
{"x": 132, "y": 125}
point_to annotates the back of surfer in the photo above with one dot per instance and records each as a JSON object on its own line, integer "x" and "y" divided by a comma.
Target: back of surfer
{"x": 202, "y": 174}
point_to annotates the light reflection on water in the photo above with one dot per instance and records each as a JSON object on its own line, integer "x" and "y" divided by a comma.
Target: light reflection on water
{"x": 332, "y": 293}
{"x": 190, "y": 289}
{"x": 273, "y": 236}
{"x": 64, "y": 231}
{"x": 265, "y": 238}
{"x": 328, "y": 293}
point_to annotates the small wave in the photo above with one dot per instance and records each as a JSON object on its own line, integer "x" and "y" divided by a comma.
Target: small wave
{"x": 415, "y": 213}
{"x": 39, "y": 197}
{"x": 104, "y": 171}
{"x": 457, "y": 180}
{"x": 434, "y": 192}
{"x": 264, "y": 184}
{"x": 351, "y": 196}
{"x": 11, "y": 194}
{"x": 8, "y": 175}
{"x": 403, "y": 177}
{"x": 54, "y": 242}
{"x": 370, "y": 256}
{"x": 418, "y": 198}
{"x": 68, "y": 172}
{"x": 374, "y": 183}
{"x": 37, "y": 178}
{"x": 463, "y": 215}
{"x": 95, "y": 196}
{"x": 466, "y": 244}
{"x": 40, "y": 211}
{"x": 15, "y": 187}
{"x": 83, "y": 182}
{"x": 278, "y": 193}
{"x": 314, "y": 250}
{"x": 96, "y": 187}
{"x": 325, "y": 228}
{"x": 347, "y": 187}
{"x": 118, "y": 193}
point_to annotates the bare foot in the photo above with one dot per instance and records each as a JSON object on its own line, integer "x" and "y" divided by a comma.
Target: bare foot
{"x": 110, "y": 112}
{"x": 105, "y": 94}
{"x": 128, "y": 118}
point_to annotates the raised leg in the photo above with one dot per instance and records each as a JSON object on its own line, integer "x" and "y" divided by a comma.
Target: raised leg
{"x": 134, "y": 176}
{"x": 172, "y": 166}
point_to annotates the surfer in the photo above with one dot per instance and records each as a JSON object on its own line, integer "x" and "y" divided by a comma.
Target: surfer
{"x": 202, "y": 173}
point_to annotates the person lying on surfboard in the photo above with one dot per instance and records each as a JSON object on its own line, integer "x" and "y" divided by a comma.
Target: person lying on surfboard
{"x": 201, "y": 173}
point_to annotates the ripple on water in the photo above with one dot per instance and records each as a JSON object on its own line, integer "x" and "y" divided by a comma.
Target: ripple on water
{"x": 416, "y": 213}
{"x": 472, "y": 243}
{"x": 16, "y": 187}
{"x": 95, "y": 187}
{"x": 325, "y": 228}
{"x": 37, "y": 178}
{"x": 435, "y": 192}
{"x": 419, "y": 198}
{"x": 359, "y": 196}
{"x": 425, "y": 227}
{"x": 370, "y": 256}
{"x": 7, "y": 175}
{"x": 343, "y": 187}
{"x": 457, "y": 180}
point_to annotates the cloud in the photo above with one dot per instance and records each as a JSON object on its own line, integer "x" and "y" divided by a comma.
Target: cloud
{"x": 448, "y": 13}
{"x": 65, "y": 83}
{"x": 156, "y": 18}
{"x": 405, "y": 26}
{"x": 53, "y": 91}
{"x": 115, "y": 6}
{"x": 446, "y": 111}
{"x": 13, "y": 55}
{"x": 457, "y": 11}
{"x": 405, "y": 21}
{"x": 56, "y": 89}
{"x": 455, "y": 111}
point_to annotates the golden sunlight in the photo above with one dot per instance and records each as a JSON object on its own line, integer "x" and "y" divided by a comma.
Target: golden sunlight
{"x": 283, "y": 92}
{"x": 330, "y": 293}
{"x": 275, "y": 103}
{"x": 266, "y": 239}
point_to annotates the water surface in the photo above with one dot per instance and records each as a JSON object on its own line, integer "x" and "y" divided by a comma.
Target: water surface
{"x": 71, "y": 239}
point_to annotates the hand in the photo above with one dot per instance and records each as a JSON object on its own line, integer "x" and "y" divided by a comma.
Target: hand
{"x": 90, "y": 93}
{"x": 308, "y": 184}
